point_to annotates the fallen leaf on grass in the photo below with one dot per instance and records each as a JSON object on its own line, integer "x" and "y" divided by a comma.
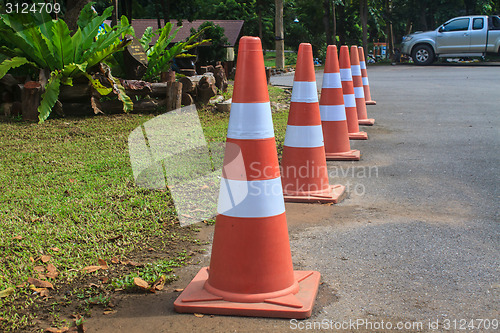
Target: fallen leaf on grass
{"x": 141, "y": 283}
{"x": 55, "y": 249}
{"x": 199, "y": 315}
{"x": 7, "y": 292}
{"x": 51, "y": 268}
{"x": 44, "y": 292}
{"x": 105, "y": 279}
{"x": 45, "y": 258}
{"x": 178, "y": 290}
{"x": 17, "y": 237}
{"x": 22, "y": 285}
{"x": 31, "y": 259}
{"x": 91, "y": 269}
{"x": 159, "y": 283}
{"x": 39, "y": 269}
{"x": 103, "y": 264}
{"x": 114, "y": 260}
{"x": 113, "y": 239}
{"x": 57, "y": 330}
{"x": 107, "y": 312}
{"x": 40, "y": 283}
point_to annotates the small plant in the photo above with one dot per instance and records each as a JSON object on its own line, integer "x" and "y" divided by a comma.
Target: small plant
{"x": 160, "y": 56}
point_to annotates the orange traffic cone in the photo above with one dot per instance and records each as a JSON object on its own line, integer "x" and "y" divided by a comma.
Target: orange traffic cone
{"x": 364, "y": 75}
{"x": 303, "y": 165}
{"x": 251, "y": 271}
{"x": 358, "y": 89}
{"x": 349, "y": 99}
{"x": 332, "y": 109}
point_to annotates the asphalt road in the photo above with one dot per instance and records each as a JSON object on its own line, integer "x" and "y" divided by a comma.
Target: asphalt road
{"x": 420, "y": 241}
{"x": 417, "y": 241}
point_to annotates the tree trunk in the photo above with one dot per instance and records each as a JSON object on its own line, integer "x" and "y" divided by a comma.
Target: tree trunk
{"x": 334, "y": 14}
{"x": 166, "y": 17}
{"x": 341, "y": 27}
{"x": 363, "y": 13}
{"x": 30, "y": 98}
{"x": 280, "y": 37}
{"x": 114, "y": 16}
{"x": 326, "y": 21}
{"x": 158, "y": 15}
{"x": 73, "y": 9}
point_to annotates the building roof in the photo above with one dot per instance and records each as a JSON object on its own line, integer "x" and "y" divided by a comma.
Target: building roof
{"x": 232, "y": 28}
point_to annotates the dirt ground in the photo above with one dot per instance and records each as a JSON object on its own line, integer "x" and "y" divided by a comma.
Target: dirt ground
{"x": 137, "y": 313}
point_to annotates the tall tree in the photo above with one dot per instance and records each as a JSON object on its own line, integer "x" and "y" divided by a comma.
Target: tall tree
{"x": 363, "y": 15}
{"x": 326, "y": 21}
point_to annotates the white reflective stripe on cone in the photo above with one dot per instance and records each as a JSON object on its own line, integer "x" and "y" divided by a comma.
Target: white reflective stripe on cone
{"x": 362, "y": 64}
{"x": 345, "y": 74}
{"x": 331, "y": 80}
{"x": 304, "y": 136}
{"x": 365, "y": 81}
{"x": 250, "y": 121}
{"x": 256, "y": 198}
{"x": 358, "y": 92}
{"x": 356, "y": 70}
{"x": 332, "y": 112}
{"x": 349, "y": 101}
{"x": 304, "y": 91}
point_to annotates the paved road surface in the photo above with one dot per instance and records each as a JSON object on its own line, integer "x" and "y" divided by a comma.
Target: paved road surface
{"x": 418, "y": 239}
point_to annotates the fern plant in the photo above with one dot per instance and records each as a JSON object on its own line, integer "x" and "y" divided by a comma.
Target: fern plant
{"x": 160, "y": 57}
{"x": 47, "y": 44}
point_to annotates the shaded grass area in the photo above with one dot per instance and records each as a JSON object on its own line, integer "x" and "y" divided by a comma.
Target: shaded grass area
{"x": 67, "y": 193}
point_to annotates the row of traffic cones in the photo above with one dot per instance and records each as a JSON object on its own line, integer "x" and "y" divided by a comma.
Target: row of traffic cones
{"x": 251, "y": 271}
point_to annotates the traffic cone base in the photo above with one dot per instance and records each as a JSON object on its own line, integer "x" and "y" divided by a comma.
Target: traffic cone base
{"x": 371, "y": 103}
{"x": 358, "y": 136}
{"x": 335, "y": 194}
{"x": 366, "y": 122}
{"x": 351, "y": 155}
{"x": 196, "y": 299}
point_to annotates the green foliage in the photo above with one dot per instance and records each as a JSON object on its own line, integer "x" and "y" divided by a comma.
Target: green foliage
{"x": 214, "y": 52}
{"x": 49, "y": 97}
{"x": 7, "y": 64}
{"x": 160, "y": 57}
{"x": 43, "y": 43}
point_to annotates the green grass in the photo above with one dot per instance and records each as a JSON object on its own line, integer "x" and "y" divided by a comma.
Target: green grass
{"x": 270, "y": 59}
{"x": 67, "y": 190}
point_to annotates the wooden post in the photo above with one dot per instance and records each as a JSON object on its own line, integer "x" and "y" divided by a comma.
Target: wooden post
{"x": 30, "y": 98}
{"x": 174, "y": 96}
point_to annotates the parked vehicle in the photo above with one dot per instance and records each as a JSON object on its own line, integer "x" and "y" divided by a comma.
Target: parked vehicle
{"x": 464, "y": 36}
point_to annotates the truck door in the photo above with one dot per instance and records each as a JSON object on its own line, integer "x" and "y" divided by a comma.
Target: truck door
{"x": 454, "y": 36}
{"x": 478, "y": 35}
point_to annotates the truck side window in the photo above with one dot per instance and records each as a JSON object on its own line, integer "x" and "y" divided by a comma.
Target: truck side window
{"x": 494, "y": 23}
{"x": 477, "y": 24}
{"x": 457, "y": 25}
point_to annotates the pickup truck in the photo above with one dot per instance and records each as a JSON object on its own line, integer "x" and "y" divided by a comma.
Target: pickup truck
{"x": 464, "y": 36}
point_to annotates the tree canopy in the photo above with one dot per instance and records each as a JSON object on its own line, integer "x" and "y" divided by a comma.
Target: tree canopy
{"x": 319, "y": 22}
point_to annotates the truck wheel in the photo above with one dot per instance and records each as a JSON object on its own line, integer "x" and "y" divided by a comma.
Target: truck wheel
{"x": 422, "y": 55}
